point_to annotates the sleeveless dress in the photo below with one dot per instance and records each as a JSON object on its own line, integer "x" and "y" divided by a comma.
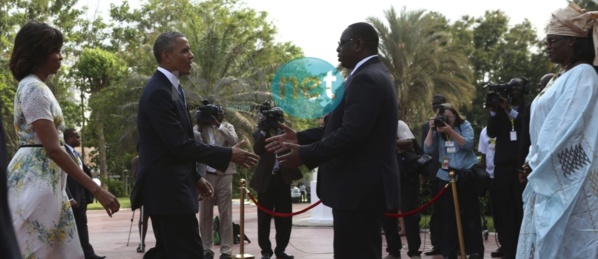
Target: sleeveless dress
{"x": 42, "y": 216}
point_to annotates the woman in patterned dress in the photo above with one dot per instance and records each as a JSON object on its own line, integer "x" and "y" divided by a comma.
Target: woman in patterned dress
{"x": 42, "y": 217}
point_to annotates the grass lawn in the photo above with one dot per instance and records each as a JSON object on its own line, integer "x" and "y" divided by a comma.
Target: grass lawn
{"x": 125, "y": 202}
{"x": 425, "y": 220}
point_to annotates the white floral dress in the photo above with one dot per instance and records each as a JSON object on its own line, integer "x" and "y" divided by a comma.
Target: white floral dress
{"x": 42, "y": 216}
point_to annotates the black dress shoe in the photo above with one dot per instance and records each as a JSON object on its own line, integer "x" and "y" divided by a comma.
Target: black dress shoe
{"x": 283, "y": 255}
{"x": 434, "y": 251}
{"x": 497, "y": 254}
{"x": 266, "y": 255}
{"x": 95, "y": 256}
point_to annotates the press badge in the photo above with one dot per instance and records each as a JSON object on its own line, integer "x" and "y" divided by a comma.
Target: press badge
{"x": 513, "y": 135}
{"x": 450, "y": 147}
{"x": 445, "y": 163}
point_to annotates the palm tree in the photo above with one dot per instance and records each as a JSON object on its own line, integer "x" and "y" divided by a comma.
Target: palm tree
{"x": 234, "y": 64}
{"x": 419, "y": 52}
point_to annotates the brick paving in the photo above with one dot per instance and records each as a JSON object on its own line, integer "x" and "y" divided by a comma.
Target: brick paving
{"x": 109, "y": 235}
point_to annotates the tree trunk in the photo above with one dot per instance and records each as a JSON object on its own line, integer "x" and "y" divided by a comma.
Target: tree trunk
{"x": 102, "y": 152}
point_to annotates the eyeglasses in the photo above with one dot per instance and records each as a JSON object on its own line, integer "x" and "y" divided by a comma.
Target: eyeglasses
{"x": 342, "y": 42}
{"x": 553, "y": 39}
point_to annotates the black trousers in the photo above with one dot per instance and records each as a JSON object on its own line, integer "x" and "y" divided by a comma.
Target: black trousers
{"x": 435, "y": 224}
{"x": 357, "y": 233}
{"x": 471, "y": 222}
{"x": 80, "y": 214}
{"x": 177, "y": 237}
{"x": 409, "y": 201}
{"x": 276, "y": 198}
{"x": 509, "y": 206}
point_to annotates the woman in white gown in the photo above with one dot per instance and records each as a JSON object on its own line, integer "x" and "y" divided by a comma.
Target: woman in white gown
{"x": 41, "y": 213}
{"x": 561, "y": 197}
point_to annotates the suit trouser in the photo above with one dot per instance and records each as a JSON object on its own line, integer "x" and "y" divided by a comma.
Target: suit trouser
{"x": 177, "y": 237}
{"x": 276, "y": 198}
{"x": 80, "y": 214}
{"x": 409, "y": 201}
{"x": 357, "y": 233}
{"x": 469, "y": 204}
{"x": 223, "y": 195}
{"x": 509, "y": 206}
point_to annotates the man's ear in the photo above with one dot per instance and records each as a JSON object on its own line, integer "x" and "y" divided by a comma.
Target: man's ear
{"x": 165, "y": 57}
{"x": 359, "y": 45}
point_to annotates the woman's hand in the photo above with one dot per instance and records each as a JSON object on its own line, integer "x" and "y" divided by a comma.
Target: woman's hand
{"x": 524, "y": 172}
{"x": 431, "y": 124}
{"x": 444, "y": 129}
{"x": 107, "y": 200}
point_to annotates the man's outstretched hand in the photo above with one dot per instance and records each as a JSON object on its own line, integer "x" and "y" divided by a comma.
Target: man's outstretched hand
{"x": 275, "y": 143}
{"x": 242, "y": 157}
{"x": 291, "y": 159}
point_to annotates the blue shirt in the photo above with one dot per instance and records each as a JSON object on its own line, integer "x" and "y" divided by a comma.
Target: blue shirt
{"x": 463, "y": 158}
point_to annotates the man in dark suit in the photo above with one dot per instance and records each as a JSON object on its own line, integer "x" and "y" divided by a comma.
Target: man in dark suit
{"x": 80, "y": 196}
{"x": 273, "y": 184}
{"x": 505, "y": 124}
{"x": 358, "y": 174}
{"x": 435, "y": 221}
{"x": 9, "y": 248}
{"x": 167, "y": 154}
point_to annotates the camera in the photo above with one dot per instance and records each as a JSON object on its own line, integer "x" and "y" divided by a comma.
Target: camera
{"x": 424, "y": 160}
{"x": 498, "y": 92}
{"x": 440, "y": 119}
{"x": 271, "y": 117}
{"x": 206, "y": 111}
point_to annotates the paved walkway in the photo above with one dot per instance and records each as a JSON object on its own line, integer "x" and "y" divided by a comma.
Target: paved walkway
{"x": 109, "y": 236}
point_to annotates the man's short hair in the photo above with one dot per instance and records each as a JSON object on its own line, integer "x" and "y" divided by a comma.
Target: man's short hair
{"x": 367, "y": 33}
{"x": 439, "y": 97}
{"x": 165, "y": 42}
{"x": 68, "y": 133}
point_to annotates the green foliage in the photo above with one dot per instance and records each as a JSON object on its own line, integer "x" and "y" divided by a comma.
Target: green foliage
{"x": 422, "y": 61}
{"x": 117, "y": 187}
{"x": 589, "y": 5}
{"x": 500, "y": 53}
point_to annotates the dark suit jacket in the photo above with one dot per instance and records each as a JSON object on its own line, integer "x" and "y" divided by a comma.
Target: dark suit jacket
{"x": 168, "y": 151}
{"x": 499, "y": 127}
{"x": 356, "y": 149}
{"x": 524, "y": 142}
{"x": 261, "y": 177}
{"x": 75, "y": 190}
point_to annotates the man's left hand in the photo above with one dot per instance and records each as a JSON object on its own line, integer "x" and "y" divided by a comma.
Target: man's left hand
{"x": 204, "y": 188}
{"x": 292, "y": 159}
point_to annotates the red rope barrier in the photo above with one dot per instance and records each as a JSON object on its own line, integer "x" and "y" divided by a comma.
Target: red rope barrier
{"x": 388, "y": 215}
{"x": 409, "y": 213}
{"x": 277, "y": 214}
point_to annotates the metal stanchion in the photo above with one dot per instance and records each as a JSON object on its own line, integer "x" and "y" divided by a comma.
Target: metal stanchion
{"x": 457, "y": 214}
{"x": 242, "y": 254}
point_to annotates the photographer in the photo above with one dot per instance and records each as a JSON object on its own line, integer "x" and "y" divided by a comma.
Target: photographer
{"x": 453, "y": 137}
{"x": 213, "y": 130}
{"x": 506, "y": 104}
{"x": 408, "y": 153}
{"x": 273, "y": 184}
{"x": 432, "y": 181}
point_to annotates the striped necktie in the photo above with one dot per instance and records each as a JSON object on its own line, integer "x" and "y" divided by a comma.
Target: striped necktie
{"x": 182, "y": 93}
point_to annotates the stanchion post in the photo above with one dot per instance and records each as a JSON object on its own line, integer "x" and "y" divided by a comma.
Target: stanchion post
{"x": 242, "y": 254}
{"x": 457, "y": 214}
